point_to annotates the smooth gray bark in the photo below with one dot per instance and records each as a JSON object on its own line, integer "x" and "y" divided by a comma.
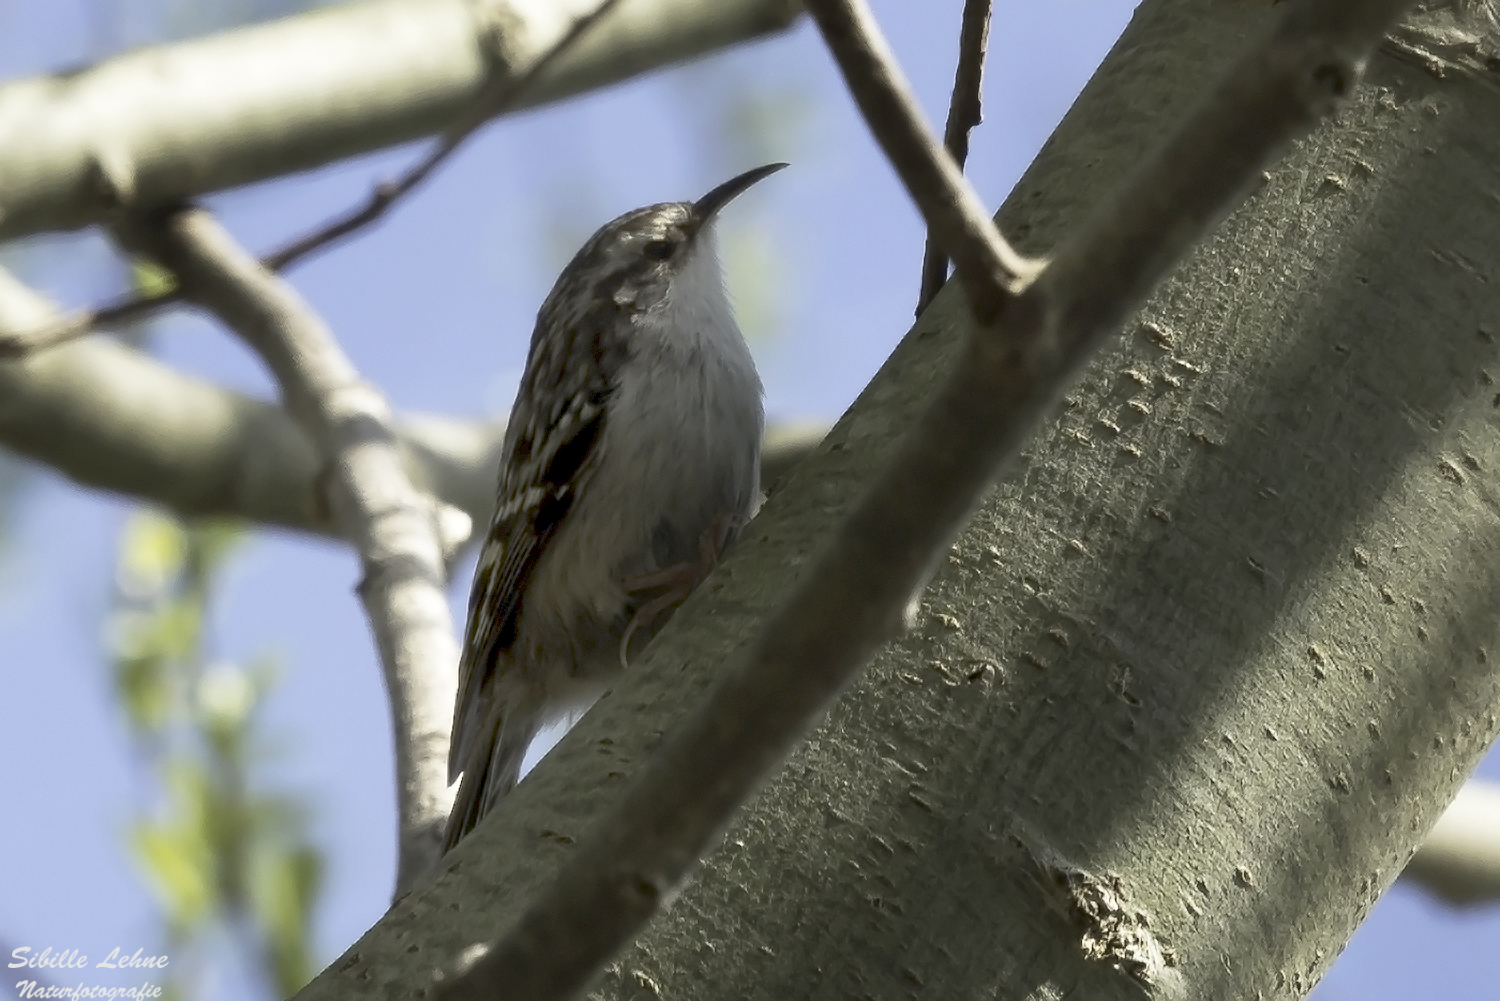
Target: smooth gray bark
{"x": 1198, "y": 678}
{"x": 167, "y": 123}
{"x": 1033, "y": 340}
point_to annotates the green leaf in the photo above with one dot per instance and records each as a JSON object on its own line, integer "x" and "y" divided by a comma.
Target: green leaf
{"x": 153, "y": 552}
{"x": 175, "y": 853}
{"x": 145, "y": 691}
{"x": 215, "y": 539}
{"x": 151, "y": 279}
{"x": 285, "y": 886}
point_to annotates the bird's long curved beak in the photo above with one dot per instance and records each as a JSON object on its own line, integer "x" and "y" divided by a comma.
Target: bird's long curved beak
{"x": 709, "y": 205}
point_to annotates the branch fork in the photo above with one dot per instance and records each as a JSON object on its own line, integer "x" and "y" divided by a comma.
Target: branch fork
{"x": 396, "y": 529}
{"x": 1035, "y": 327}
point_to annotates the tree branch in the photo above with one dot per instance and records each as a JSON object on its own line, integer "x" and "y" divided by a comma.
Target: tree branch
{"x": 116, "y": 419}
{"x": 110, "y": 417}
{"x": 990, "y": 270}
{"x": 493, "y": 101}
{"x": 1460, "y": 860}
{"x": 965, "y": 111}
{"x": 161, "y": 125}
{"x": 395, "y": 529}
{"x": 852, "y": 598}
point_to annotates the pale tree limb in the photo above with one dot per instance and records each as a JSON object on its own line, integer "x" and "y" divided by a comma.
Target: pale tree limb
{"x": 965, "y": 112}
{"x": 854, "y": 594}
{"x": 110, "y": 417}
{"x": 1460, "y": 860}
{"x": 494, "y": 100}
{"x": 159, "y": 125}
{"x": 395, "y": 529}
{"x": 113, "y": 418}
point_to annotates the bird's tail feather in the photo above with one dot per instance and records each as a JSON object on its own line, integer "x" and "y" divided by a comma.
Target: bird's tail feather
{"x": 493, "y": 771}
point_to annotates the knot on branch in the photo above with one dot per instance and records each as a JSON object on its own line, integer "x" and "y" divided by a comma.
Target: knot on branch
{"x": 1114, "y": 933}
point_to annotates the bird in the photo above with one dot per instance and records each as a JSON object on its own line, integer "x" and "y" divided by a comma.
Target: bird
{"x": 630, "y": 463}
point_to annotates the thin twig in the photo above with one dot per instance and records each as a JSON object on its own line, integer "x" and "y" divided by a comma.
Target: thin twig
{"x": 493, "y": 101}
{"x": 965, "y": 111}
{"x": 853, "y": 597}
{"x": 18, "y": 342}
{"x": 490, "y": 104}
{"x": 989, "y": 268}
{"x": 394, "y": 528}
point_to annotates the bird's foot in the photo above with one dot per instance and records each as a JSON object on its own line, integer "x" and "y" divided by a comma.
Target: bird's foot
{"x": 680, "y": 580}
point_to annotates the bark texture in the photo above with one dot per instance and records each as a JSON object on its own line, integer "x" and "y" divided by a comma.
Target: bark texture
{"x": 1206, "y": 667}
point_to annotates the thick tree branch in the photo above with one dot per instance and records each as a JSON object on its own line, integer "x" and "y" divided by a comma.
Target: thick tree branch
{"x": 956, "y": 218}
{"x": 1113, "y": 688}
{"x": 965, "y": 112}
{"x": 112, "y": 418}
{"x": 159, "y": 125}
{"x": 852, "y": 598}
{"x": 395, "y": 529}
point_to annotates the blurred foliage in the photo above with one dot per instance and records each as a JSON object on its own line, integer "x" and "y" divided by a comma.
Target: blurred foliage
{"x": 756, "y": 276}
{"x": 740, "y": 120}
{"x": 151, "y": 279}
{"x": 224, "y": 859}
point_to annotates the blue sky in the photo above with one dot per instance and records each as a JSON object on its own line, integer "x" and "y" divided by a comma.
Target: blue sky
{"x": 436, "y": 306}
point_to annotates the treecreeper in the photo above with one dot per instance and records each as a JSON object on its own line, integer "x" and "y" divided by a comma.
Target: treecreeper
{"x": 631, "y": 461}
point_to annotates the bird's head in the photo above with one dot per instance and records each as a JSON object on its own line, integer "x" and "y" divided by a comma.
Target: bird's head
{"x": 645, "y": 257}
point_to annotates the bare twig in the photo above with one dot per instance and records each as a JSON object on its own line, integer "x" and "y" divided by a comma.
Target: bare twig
{"x": 18, "y": 342}
{"x": 491, "y": 103}
{"x": 853, "y": 597}
{"x": 965, "y": 111}
{"x": 989, "y": 268}
{"x": 394, "y": 528}
{"x": 497, "y": 99}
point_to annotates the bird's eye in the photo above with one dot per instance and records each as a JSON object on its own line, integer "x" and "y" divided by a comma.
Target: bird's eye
{"x": 658, "y": 250}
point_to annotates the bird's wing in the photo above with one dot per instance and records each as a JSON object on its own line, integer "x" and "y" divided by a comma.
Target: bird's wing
{"x": 538, "y": 484}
